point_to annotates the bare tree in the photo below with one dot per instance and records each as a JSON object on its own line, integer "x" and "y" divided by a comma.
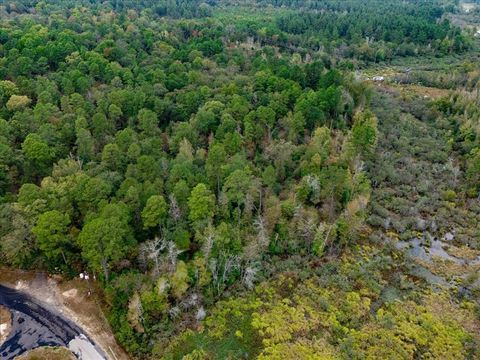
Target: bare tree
{"x": 308, "y": 229}
{"x": 174, "y": 312}
{"x": 201, "y": 313}
{"x": 249, "y": 206}
{"x": 248, "y": 275}
{"x": 208, "y": 245}
{"x": 313, "y": 183}
{"x": 221, "y": 269}
{"x": 135, "y": 313}
{"x": 174, "y": 211}
{"x": 262, "y": 233}
{"x": 172, "y": 254}
{"x": 454, "y": 169}
{"x": 151, "y": 250}
{"x": 162, "y": 253}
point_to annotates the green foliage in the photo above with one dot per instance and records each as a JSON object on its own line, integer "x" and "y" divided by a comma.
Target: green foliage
{"x": 180, "y": 280}
{"x": 201, "y": 204}
{"x": 154, "y": 211}
{"x": 51, "y": 231}
{"x": 37, "y": 150}
{"x": 17, "y": 102}
{"x": 473, "y": 168}
{"x": 364, "y": 134}
{"x": 108, "y": 238}
{"x": 407, "y": 330}
{"x": 190, "y": 150}
{"x": 322, "y": 318}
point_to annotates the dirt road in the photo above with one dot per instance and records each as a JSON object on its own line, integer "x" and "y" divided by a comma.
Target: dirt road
{"x": 33, "y": 326}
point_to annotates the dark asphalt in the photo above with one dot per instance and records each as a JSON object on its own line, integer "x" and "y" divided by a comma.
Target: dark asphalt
{"x": 33, "y": 325}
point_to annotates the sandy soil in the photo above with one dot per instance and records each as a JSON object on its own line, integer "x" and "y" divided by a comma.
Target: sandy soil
{"x": 86, "y": 311}
{"x": 77, "y": 299}
{"x": 5, "y": 323}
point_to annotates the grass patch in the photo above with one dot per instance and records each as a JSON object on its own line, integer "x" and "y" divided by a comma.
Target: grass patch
{"x": 48, "y": 353}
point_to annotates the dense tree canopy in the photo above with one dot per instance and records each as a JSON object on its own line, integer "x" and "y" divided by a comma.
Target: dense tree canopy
{"x": 187, "y": 150}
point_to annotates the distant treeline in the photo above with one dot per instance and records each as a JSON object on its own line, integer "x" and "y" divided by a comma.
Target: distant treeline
{"x": 170, "y": 8}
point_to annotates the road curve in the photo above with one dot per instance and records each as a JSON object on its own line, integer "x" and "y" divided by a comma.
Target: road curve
{"x": 33, "y": 325}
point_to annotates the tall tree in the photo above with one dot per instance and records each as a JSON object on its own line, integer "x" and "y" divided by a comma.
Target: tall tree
{"x": 201, "y": 204}
{"x": 51, "y": 231}
{"x": 107, "y": 239}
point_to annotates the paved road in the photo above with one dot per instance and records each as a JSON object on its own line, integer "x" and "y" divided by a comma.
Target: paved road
{"x": 33, "y": 325}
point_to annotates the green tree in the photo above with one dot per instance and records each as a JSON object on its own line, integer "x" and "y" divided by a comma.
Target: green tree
{"x": 180, "y": 280}
{"x": 7, "y": 89}
{"x": 295, "y": 126}
{"x": 214, "y": 164}
{"x": 38, "y": 153}
{"x": 201, "y": 204}
{"x": 147, "y": 122}
{"x": 107, "y": 239}
{"x": 237, "y": 186}
{"x": 112, "y": 157}
{"x": 85, "y": 145}
{"x": 473, "y": 169}
{"x": 102, "y": 127}
{"x": 154, "y": 212}
{"x": 35, "y": 149}
{"x": 266, "y": 117}
{"x": 18, "y": 102}
{"x": 51, "y": 231}
{"x": 364, "y": 133}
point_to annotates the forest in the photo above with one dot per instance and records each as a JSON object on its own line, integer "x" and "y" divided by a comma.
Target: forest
{"x": 235, "y": 184}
